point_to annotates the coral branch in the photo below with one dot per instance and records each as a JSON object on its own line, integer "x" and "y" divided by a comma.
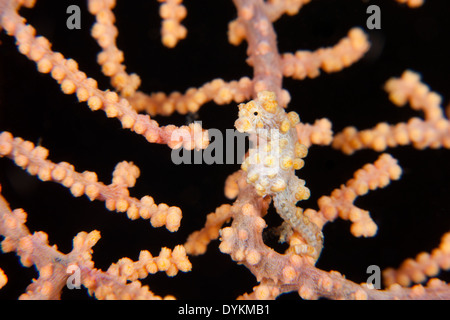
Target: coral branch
{"x": 319, "y": 133}
{"x": 433, "y": 131}
{"x": 262, "y": 49}
{"x": 425, "y": 265}
{"x": 264, "y": 192}
{"x": 66, "y": 72}
{"x": 276, "y": 8}
{"x": 219, "y": 91}
{"x": 198, "y": 241}
{"x": 34, "y": 249}
{"x": 304, "y": 64}
{"x": 111, "y": 58}
{"x": 370, "y": 177}
{"x": 281, "y": 273}
{"x": 172, "y": 12}
{"x": 116, "y": 195}
{"x": 412, "y": 3}
{"x": 3, "y": 279}
{"x": 169, "y": 261}
{"x": 55, "y": 268}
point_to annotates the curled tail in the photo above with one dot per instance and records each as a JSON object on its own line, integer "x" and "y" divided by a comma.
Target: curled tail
{"x": 285, "y": 205}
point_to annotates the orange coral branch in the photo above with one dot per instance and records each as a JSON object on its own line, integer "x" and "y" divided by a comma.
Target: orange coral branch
{"x": 412, "y": 3}
{"x": 111, "y": 58}
{"x": 219, "y": 91}
{"x": 433, "y": 131}
{"x": 116, "y": 195}
{"x": 319, "y": 133}
{"x": 281, "y": 273}
{"x": 370, "y": 177}
{"x": 172, "y": 12}
{"x": 198, "y": 241}
{"x": 425, "y": 265}
{"x": 72, "y": 80}
{"x": 304, "y": 64}
{"x": 170, "y": 261}
{"x": 54, "y": 267}
{"x": 3, "y": 278}
{"x": 262, "y": 49}
{"x": 274, "y": 9}
{"x": 264, "y": 177}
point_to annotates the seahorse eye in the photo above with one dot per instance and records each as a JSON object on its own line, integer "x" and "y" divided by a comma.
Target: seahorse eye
{"x": 255, "y": 113}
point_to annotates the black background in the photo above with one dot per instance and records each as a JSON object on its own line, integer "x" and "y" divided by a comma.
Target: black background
{"x": 412, "y": 214}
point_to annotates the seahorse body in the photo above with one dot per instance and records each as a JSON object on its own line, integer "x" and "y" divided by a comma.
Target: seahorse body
{"x": 271, "y": 165}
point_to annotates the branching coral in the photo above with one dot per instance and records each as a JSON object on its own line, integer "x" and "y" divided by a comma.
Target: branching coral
{"x": 248, "y": 227}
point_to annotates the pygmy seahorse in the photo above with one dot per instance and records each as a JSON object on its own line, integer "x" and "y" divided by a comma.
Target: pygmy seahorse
{"x": 271, "y": 164}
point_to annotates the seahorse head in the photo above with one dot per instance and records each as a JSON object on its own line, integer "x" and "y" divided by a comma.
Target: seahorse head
{"x": 261, "y": 113}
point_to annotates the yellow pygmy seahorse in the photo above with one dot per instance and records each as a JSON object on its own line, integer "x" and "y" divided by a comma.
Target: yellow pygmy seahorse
{"x": 271, "y": 165}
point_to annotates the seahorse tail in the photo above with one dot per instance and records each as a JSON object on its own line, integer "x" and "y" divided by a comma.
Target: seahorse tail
{"x": 300, "y": 223}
